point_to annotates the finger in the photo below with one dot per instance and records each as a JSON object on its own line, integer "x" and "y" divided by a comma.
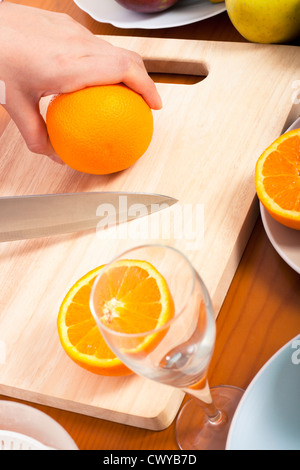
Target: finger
{"x": 140, "y": 80}
{"x": 119, "y": 69}
{"x": 32, "y": 127}
{"x": 106, "y": 68}
{"x": 137, "y": 78}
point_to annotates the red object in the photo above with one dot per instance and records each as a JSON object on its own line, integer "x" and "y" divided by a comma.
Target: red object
{"x": 147, "y": 6}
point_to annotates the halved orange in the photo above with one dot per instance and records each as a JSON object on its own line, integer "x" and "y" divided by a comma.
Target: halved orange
{"x": 277, "y": 179}
{"x": 131, "y": 296}
{"x": 79, "y": 334}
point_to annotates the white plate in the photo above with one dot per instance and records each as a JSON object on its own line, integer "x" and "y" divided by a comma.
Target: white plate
{"x": 268, "y": 415}
{"x": 185, "y": 12}
{"x": 31, "y": 422}
{"x": 286, "y": 241}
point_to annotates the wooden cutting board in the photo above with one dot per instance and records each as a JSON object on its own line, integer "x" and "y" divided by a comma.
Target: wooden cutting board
{"x": 207, "y": 139}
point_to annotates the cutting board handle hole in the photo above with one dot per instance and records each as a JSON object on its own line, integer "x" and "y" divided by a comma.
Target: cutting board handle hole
{"x": 176, "y": 72}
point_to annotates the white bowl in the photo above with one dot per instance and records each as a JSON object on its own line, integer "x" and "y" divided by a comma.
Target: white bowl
{"x": 182, "y": 13}
{"x": 33, "y": 423}
{"x": 268, "y": 415}
{"x": 285, "y": 240}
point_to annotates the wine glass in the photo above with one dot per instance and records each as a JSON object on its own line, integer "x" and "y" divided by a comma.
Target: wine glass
{"x": 178, "y": 352}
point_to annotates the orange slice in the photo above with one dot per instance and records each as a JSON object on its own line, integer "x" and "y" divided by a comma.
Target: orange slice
{"x": 277, "y": 179}
{"x": 80, "y": 335}
{"x": 131, "y": 296}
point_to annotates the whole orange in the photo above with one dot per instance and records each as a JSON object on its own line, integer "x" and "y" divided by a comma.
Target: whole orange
{"x": 100, "y": 129}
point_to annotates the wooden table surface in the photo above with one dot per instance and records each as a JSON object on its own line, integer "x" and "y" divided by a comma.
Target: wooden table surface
{"x": 260, "y": 313}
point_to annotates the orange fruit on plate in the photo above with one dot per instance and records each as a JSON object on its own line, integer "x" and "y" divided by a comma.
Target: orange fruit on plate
{"x": 277, "y": 179}
{"x": 100, "y": 129}
{"x": 133, "y": 294}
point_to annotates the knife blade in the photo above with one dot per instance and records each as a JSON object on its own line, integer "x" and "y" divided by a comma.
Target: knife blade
{"x": 295, "y": 125}
{"x": 34, "y": 216}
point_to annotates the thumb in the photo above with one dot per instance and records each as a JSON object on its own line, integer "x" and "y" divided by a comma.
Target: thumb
{"x": 27, "y": 117}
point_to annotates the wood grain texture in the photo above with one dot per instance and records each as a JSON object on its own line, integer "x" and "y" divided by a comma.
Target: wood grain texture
{"x": 252, "y": 325}
{"x": 205, "y": 145}
{"x": 252, "y": 320}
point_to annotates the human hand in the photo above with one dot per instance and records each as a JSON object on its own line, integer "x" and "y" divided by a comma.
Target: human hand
{"x": 44, "y": 53}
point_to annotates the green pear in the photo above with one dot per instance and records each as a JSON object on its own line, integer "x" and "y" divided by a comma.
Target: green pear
{"x": 265, "y": 21}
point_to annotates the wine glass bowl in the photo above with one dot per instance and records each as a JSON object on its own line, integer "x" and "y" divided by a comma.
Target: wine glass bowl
{"x": 178, "y": 349}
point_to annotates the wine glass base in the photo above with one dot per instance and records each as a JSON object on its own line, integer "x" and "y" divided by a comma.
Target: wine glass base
{"x": 193, "y": 429}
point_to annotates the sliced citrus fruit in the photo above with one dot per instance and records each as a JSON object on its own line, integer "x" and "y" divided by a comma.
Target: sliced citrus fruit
{"x": 132, "y": 297}
{"x": 80, "y": 335}
{"x": 277, "y": 179}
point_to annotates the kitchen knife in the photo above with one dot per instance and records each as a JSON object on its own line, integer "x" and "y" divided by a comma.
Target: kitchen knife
{"x": 24, "y": 217}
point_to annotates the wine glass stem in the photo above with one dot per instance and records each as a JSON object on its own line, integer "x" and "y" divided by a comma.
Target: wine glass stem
{"x": 214, "y": 415}
{"x": 204, "y": 398}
